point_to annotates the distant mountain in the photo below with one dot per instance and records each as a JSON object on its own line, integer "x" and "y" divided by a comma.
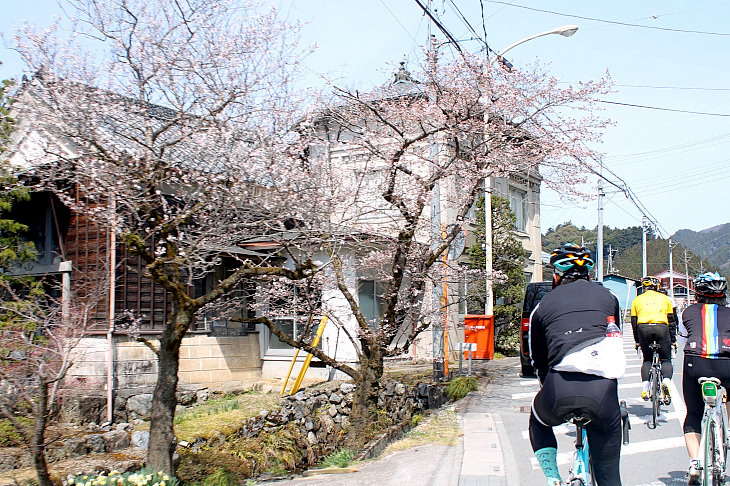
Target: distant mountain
{"x": 712, "y": 244}
{"x": 707, "y": 250}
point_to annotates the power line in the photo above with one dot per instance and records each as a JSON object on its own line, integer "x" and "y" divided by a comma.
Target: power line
{"x": 697, "y": 88}
{"x": 468, "y": 25}
{"x": 623, "y": 186}
{"x": 632, "y": 158}
{"x": 439, "y": 25}
{"x": 663, "y": 109}
{"x": 625, "y": 24}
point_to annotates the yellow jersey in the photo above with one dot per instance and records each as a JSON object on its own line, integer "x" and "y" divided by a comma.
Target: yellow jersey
{"x": 651, "y": 307}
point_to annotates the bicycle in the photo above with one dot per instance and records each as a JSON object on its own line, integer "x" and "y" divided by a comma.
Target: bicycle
{"x": 656, "y": 390}
{"x": 714, "y": 433}
{"x": 581, "y": 469}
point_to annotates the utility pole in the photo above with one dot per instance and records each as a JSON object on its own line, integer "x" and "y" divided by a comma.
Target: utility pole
{"x": 644, "y": 225}
{"x": 488, "y": 297}
{"x": 671, "y": 271}
{"x": 437, "y": 325}
{"x": 611, "y": 252}
{"x": 599, "y": 243}
{"x": 686, "y": 274}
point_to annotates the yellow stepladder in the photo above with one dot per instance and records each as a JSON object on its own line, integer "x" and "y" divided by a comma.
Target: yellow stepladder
{"x": 293, "y": 361}
{"x": 305, "y": 366}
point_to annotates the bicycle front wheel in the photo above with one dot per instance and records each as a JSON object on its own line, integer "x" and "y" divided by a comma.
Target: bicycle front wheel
{"x": 710, "y": 471}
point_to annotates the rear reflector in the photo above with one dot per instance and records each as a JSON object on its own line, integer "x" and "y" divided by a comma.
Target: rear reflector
{"x": 525, "y": 324}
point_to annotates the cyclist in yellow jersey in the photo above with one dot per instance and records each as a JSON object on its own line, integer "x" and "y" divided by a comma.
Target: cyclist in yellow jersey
{"x": 654, "y": 319}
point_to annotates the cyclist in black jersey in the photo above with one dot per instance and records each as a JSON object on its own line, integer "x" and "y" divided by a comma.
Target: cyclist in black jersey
{"x": 704, "y": 334}
{"x": 572, "y": 319}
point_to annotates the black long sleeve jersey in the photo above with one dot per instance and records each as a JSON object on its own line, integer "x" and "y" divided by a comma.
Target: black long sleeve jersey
{"x": 573, "y": 315}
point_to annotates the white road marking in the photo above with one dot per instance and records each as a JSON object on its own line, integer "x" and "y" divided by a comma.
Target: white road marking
{"x": 635, "y": 420}
{"x": 626, "y": 450}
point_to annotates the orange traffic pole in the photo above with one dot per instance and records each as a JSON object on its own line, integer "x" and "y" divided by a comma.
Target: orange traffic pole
{"x": 446, "y": 319}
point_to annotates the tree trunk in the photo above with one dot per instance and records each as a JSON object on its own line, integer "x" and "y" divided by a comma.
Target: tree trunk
{"x": 162, "y": 436}
{"x": 38, "y": 446}
{"x": 365, "y": 399}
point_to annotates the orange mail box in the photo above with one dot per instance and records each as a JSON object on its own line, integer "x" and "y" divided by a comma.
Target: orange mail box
{"x": 479, "y": 329}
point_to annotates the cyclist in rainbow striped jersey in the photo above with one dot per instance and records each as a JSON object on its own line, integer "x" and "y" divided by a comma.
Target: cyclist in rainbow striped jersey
{"x": 704, "y": 334}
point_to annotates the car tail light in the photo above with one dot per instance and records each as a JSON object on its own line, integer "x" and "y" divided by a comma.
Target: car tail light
{"x": 525, "y": 324}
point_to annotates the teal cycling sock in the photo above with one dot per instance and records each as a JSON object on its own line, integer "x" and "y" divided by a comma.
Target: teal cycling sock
{"x": 548, "y": 460}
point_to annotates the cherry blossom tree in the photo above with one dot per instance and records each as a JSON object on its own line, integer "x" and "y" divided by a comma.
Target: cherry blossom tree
{"x": 178, "y": 123}
{"x": 169, "y": 122}
{"x": 407, "y": 162}
{"x": 39, "y": 336}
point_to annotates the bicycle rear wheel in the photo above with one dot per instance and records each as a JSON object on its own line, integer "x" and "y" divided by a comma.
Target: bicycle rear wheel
{"x": 654, "y": 387}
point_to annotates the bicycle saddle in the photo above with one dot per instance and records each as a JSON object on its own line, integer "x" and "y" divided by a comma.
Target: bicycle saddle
{"x": 581, "y": 418}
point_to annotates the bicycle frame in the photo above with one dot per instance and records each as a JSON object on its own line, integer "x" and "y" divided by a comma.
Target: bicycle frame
{"x": 714, "y": 435}
{"x": 580, "y": 470}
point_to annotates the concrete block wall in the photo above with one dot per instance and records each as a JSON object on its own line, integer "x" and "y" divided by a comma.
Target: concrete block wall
{"x": 213, "y": 362}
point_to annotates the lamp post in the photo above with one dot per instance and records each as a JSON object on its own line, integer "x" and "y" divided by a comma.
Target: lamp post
{"x": 565, "y": 31}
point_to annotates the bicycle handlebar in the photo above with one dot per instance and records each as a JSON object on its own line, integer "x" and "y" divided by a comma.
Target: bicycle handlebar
{"x": 626, "y": 424}
{"x": 712, "y": 379}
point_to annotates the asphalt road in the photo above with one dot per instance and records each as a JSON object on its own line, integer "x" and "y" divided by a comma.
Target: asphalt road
{"x": 652, "y": 458}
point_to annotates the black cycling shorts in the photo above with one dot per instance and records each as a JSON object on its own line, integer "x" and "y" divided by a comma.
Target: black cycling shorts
{"x": 647, "y": 334}
{"x": 566, "y": 392}
{"x": 696, "y": 367}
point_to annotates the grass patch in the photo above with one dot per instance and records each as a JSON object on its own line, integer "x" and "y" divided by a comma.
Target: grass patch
{"x": 339, "y": 458}
{"x": 409, "y": 378}
{"x": 278, "y": 452}
{"x": 441, "y": 428}
{"x": 9, "y": 437}
{"x": 459, "y": 387}
{"x": 221, "y": 477}
{"x": 139, "y": 478}
{"x": 223, "y": 415}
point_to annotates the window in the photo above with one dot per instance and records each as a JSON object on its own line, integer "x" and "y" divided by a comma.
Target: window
{"x": 370, "y": 296}
{"x": 287, "y": 325}
{"x": 462, "y": 294}
{"x": 292, "y": 316}
{"x": 518, "y": 204}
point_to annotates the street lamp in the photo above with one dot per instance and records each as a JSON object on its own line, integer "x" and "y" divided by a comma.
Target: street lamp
{"x": 565, "y": 31}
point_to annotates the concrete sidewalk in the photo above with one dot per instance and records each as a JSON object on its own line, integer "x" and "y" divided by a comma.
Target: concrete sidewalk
{"x": 483, "y": 461}
{"x": 477, "y": 460}
{"x": 486, "y": 455}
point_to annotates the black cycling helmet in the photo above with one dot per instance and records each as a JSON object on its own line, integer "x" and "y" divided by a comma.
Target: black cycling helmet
{"x": 651, "y": 283}
{"x": 571, "y": 259}
{"x": 711, "y": 285}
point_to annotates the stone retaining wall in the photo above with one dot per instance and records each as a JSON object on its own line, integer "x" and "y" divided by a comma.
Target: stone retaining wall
{"x": 322, "y": 414}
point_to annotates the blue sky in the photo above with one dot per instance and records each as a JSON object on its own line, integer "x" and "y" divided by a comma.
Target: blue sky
{"x": 666, "y": 54}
